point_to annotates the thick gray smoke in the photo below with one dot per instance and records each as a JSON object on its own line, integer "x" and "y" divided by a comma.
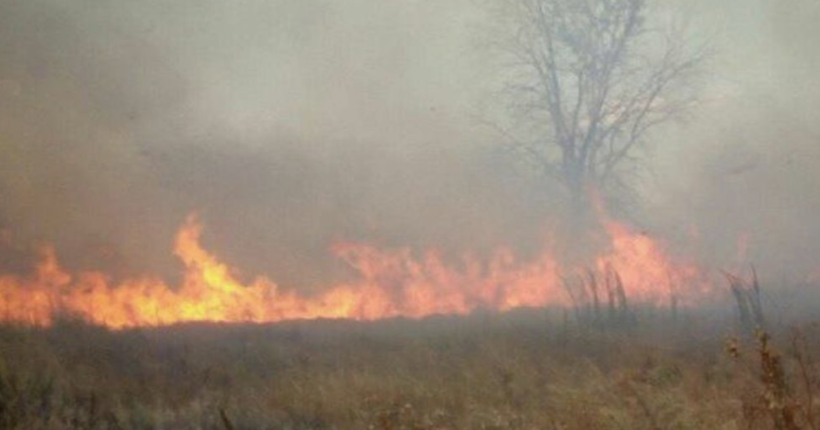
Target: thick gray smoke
{"x": 744, "y": 171}
{"x": 287, "y": 125}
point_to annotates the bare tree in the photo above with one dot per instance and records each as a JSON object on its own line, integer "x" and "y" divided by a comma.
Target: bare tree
{"x": 585, "y": 83}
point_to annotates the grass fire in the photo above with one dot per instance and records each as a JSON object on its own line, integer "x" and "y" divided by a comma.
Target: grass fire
{"x": 415, "y": 215}
{"x": 389, "y": 284}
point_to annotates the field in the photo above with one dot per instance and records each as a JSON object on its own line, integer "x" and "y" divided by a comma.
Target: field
{"x": 523, "y": 370}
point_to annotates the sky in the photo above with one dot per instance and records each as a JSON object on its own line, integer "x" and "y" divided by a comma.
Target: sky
{"x": 289, "y": 125}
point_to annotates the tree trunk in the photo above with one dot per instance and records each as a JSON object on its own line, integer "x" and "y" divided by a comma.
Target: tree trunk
{"x": 579, "y": 219}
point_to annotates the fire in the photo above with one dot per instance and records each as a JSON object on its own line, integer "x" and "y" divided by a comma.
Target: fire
{"x": 646, "y": 270}
{"x": 387, "y": 284}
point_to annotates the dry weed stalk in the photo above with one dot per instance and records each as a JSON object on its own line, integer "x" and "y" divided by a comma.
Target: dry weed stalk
{"x": 747, "y": 297}
{"x": 807, "y": 373}
{"x": 777, "y": 398}
{"x": 584, "y": 291}
{"x": 226, "y": 422}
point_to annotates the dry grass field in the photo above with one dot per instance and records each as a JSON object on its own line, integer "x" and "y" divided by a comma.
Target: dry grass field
{"x": 516, "y": 371}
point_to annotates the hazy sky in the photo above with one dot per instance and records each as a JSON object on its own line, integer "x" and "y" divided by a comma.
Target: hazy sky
{"x": 290, "y": 124}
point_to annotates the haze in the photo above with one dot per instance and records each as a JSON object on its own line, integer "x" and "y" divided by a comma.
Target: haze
{"x": 288, "y": 125}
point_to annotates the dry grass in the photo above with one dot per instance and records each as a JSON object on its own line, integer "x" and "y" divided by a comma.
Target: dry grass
{"x": 483, "y": 372}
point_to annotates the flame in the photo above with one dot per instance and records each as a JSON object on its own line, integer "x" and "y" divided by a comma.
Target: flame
{"x": 387, "y": 284}
{"x": 647, "y": 270}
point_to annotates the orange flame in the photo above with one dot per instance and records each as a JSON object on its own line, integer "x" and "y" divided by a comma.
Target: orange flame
{"x": 389, "y": 284}
{"x": 647, "y": 272}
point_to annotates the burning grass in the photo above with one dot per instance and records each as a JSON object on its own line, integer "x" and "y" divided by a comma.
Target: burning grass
{"x": 384, "y": 284}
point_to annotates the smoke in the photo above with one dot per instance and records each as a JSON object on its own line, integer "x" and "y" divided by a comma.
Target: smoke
{"x": 288, "y": 125}
{"x": 285, "y": 125}
{"x": 742, "y": 174}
